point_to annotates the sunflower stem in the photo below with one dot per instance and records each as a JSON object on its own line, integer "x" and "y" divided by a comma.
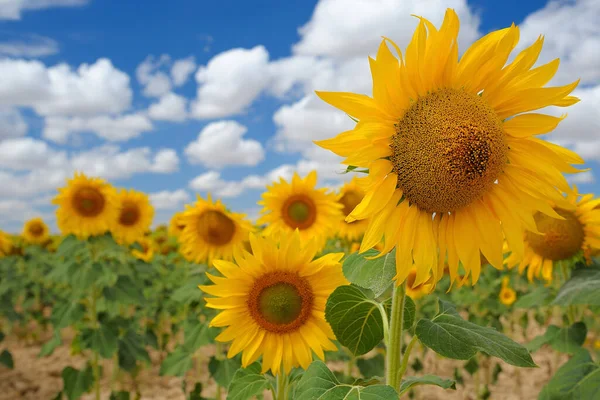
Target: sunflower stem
{"x": 282, "y": 386}
{"x": 218, "y": 356}
{"x": 406, "y": 357}
{"x": 394, "y": 349}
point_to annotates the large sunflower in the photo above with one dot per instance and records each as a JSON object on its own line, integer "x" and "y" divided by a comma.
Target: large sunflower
{"x": 211, "y": 231}
{"x": 5, "y": 244}
{"x": 86, "y": 206}
{"x": 350, "y": 196}
{"x": 134, "y": 217}
{"x": 453, "y": 161}
{"x": 577, "y": 233}
{"x": 273, "y": 302}
{"x": 36, "y": 231}
{"x": 299, "y": 205}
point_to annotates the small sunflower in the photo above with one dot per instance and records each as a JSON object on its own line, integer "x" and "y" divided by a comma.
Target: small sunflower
{"x": 576, "y": 233}
{"x": 147, "y": 251}
{"x": 507, "y": 294}
{"x": 134, "y": 217}
{"x": 273, "y": 302}
{"x": 453, "y": 162}
{"x": 299, "y": 205}
{"x": 417, "y": 291}
{"x": 5, "y": 244}
{"x": 211, "y": 232}
{"x": 36, "y": 231}
{"x": 176, "y": 224}
{"x": 86, "y": 206}
{"x": 350, "y": 196}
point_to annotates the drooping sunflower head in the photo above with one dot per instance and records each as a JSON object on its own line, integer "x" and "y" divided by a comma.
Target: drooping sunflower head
{"x": 211, "y": 231}
{"x": 416, "y": 291}
{"x": 273, "y": 302}
{"x": 454, "y": 164}
{"x": 147, "y": 249}
{"x": 573, "y": 231}
{"x": 5, "y": 244}
{"x": 176, "y": 224}
{"x": 299, "y": 205}
{"x": 134, "y": 216}
{"x": 86, "y": 206}
{"x": 351, "y": 194}
{"x": 36, "y": 231}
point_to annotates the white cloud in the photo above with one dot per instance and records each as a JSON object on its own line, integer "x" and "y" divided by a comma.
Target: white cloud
{"x": 169, "y": 200}
{"x": 12, "y": 9}
{"x": 91, "y": 89}
{"x": 582, "y": 178}
{"x": 170, "y": 107}
{"x": 156, "y": 83}
{"x": 12, "y": 123}
{"x": 30, "y": 45}
{"x": 15, "y": 212}
{"x": 222, "y": 144}
{"x": 165, "y": 162}
{"x": 28, "y": 153}
{"x": 230, "y": 82}
{"x": 58, "y": 129}
{"x": 182, "y": 69}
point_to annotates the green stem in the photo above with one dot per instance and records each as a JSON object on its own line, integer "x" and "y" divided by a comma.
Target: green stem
{"x": 394, "y": 348}
{"x": 571, "y": 313}
{"x": 95, "y": 364}
{"x": 406, "y": 357}
{"x": 218, "y": 356}
{"x": 282, "y": 386}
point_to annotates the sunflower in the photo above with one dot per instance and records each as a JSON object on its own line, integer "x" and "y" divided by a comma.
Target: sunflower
{"x": 134, "y": 217}
{"x": 86, "y": 206}
{"x": 507, "y": 294}
{"x": 349, "y": 197}
{"x": 5, "y": 244}
{"x": 453, "y": 162}
{"x": 211, "y": 231}
{"x": 273, "y": 301}
{"x": 287, "y": 207}
{"x": 576, "y": 233}
{"x": 36, "y": 231}
{"x": 176, "y": 224}
{"x": 417, "y": 291}
{"x": 147, "y": 249}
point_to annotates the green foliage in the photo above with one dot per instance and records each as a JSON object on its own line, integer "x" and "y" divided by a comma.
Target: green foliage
{"x": 49, "y": 347}
{"x": 373, "y": 274}
{"x": 6, "y": 359}
{"x": 582, "y": 289}
{"x": 373, "y": 366}
{"x": 411, "y": 382}
{"x": 565, "y": 340}
{"x": 578, "y": 378}
{"x": 539, "y": 297}
{"x": 77, "y": 382}
{"x": 222, "y": 371}
{"x": 247, "y": 382}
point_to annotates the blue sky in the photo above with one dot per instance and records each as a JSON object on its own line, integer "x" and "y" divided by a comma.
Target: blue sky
{"x": 279, "y": 52}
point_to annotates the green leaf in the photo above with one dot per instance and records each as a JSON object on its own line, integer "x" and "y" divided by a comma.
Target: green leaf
{"x": 198, "y": 334}
{"x": 471, "y": 366}
{"x": 131, "y": 350}
{"x": 370, "y": 367}
{"x": 1, "y": 336}
{"x": 319, "y": 383}
{"x": 196, "y": 394}
{"x": 66, "y": 314}
{"x": 413, "y": 381}
{"x": 247, "y": 382}
{"x": 495, "y": 373}
{"x": 410, "y": 311}
{"x": 103, "y": 340}
{"x": 119, "y": 396}
{"x": 177, "y": 363}
{"x": 76, "y": 382}
{"x": 124, "y": 291}
{"x": 376, "y": 275}
{"x": 7, "y": 359}
{"x": 49, "y": 346}
{"x": 578, "y": 378}
{"x": 451, "y": 336}
{"x": 566, "y": 340}
{"x": 538, "y": 298}
{"x": 582, "y": 289}
{"x": 222, "y": 371}
{"x": 355, "y": 319}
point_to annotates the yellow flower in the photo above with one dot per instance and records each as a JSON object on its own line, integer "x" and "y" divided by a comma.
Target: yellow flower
{"x": 134, "y": 217}
{"x": 36, "y": 231}
{"x": 507, "y": 296}
{"x": 86, "y": 206}
{"x": 211, "y": 232}
{"x": 273, "y": 302}
{"x": 453, "y": 162}
{"x": 597, "y": 344}
{"x": 349, "y": 197}
{"x": 298, "y": 205}
{"x": 176, "y": 224}
{"x": 147, "y": 251}
{"x": 5, "y": 244}
{"x": 417, "y": 291}
{"x": 577, "y": 231}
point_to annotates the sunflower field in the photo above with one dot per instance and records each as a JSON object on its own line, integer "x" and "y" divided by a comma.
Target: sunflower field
{"x": 457, "y": 262}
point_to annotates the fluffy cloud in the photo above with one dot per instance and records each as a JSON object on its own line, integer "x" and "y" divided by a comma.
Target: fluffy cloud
{"x": 12, "y": 9}
{"x": 169, "y": 200}
{"x": 182, "y": 69}
{"x": 230, "y": 82}
{"x": 12, "y": 123}
{"x": 29, "y": 154}
{"x": 91, "y": 89}
{"x": 28, "y": 46}
{"x": 58, "y": 129}
{"x": 582, "y": 178}
{"x": 170, "y": 107}
{"x": 222, "y": 144}
{"x": 158, "y": 76}
{"x": 212, "y": 182}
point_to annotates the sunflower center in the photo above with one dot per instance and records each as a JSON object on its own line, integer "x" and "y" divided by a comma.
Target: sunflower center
{"x": 280, "y": 301}
{"x": 561, "y": 239}
{"x": 506, "y": 294}
{"x": 36, "y": 229}
{"x": 130, "y": 215}
{"x": 215, "y": 227}
{"x": 299, "y": 212}
{"x": 350, "y": 200}
{"x": 448, "y": 150}
{"x": 88, "y": 202}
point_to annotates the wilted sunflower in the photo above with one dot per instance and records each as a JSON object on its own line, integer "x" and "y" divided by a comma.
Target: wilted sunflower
{"x": 5, "y": 244}
{"x": 134, "y": 217}
{"x": 299, "y": 205}
{"x": 507, "y": 294}
{"x": 453, "y": 161}
{"x": 176, "y": 224}
{"x": 86, "y": 206}
{"x": 147, "y": 251}
{"x": 273, "y": 302}
{"x": 211, "y": 232}
{"x": 349, "y": 197}
{"x": 576, "y": 233}
{"x": 36, "y": 231}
